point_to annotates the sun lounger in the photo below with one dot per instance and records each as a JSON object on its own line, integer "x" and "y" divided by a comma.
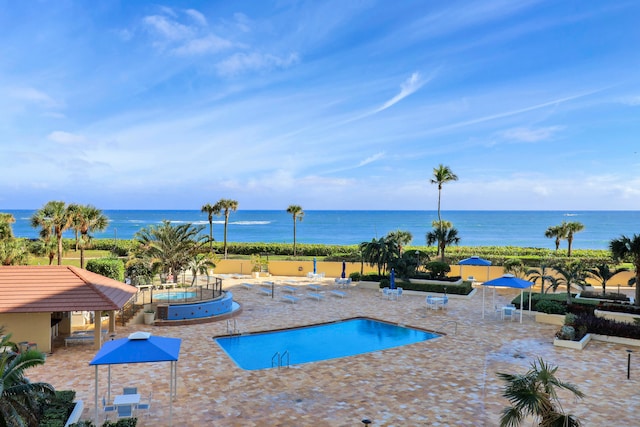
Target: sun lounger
{"x": 314, "y": 287}
{"x": 289, "y": 289}
{"x": 290, "y": 298}
{"x": 340, "y": 294}
{"x": 315, "y": 295}
{"x": 265, "y": 291}
{"x": 247, "y": 285}
{"x": 82, "y": 337}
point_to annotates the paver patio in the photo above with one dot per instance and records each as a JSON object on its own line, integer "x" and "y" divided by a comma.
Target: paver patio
{"x": 444, "y": 382}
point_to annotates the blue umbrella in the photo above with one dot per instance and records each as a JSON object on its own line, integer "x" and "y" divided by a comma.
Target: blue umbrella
{"x": 392, "y": 282}
{"x": 508, "y": 281}
{"x": 344, "y": 268}
{"x": 314, "y": 265}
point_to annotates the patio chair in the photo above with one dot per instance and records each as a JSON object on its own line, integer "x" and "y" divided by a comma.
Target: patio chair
{"x": 107, "y": 409}
{"x": 124, "y": 411}
{"x": 508, "y": 311}
{"x": 431, "y": 304}
{"x": 146, "y": 406}
{"x": 445, "y": 301}
{"x": 130, "y": 390}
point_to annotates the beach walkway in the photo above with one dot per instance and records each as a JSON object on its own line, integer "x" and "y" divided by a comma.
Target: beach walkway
{"x": 444, "y": 382}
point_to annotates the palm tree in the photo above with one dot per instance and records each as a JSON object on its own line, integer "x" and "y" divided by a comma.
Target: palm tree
{"x": 515, "y": 266}
{"x": 297, "y": 213}
{"x": 55, "y": 216}
{"x": 441, "y": 175}
{"x": 200, "y": 264}
{"x": 227, "y": 205}
{"x": 572, "y": 228}
{"x": 534, "y": 394}
{"x": 555, "y": 232}
{"x": 87, "y": 219}
{"x": 628, "y": 247}
{"x": 6, "y": 232}
{"x": 18, "y": 396}
{"x": 534, "y": 274}
{"x": 402, "y": 238}
{"x": 13, "y": 252}
{"x": 444, "y": 235}
{"x": 572, "y": 274}
{"x": 211, "y": 210}
{"x": 378, "y": 252}
{"x": 602, "y": 273}
{"x": 168, "y": 248}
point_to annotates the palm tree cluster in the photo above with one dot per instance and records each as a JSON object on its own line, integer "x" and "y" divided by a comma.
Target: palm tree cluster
{"x": 386, "y": 252}
{"x": 221, "y": 207}
{"x": 564, "y": 231}
{"x": 535, "y": 394}
{"x": 12, "y": 251}
{"x": 19, "y": 398}
{"x": 626, "y": 247}
{"x": 169, "y": 249}
{"x": 56, "y": 217}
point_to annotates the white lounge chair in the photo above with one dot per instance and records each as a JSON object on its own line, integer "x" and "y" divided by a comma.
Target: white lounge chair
{"x": 340, "y": 294}
{"x": 247, "y": 285}
{"x": 289, "y": 289}
{"x": 290, "y": 298}
{"x": 315, "y": 296}
{"x": 265, "y": 291}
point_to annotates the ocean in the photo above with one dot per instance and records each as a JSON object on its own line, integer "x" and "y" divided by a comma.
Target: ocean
{"x": 475, "y": 228}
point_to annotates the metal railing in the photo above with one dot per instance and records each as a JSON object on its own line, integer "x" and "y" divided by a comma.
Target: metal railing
{"x": 176, "y": 294}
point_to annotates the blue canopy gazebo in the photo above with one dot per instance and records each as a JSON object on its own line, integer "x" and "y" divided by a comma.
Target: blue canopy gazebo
{"x": 139, "y": 347}
{"x": 475, "y": 260}
{"x": 508, "y": 281}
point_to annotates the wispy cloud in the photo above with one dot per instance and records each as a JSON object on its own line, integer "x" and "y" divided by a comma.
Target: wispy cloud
{"x": 62, "y": 137}
{"x": 371, "y": 159}
{"x": 524, "y": 134}
{"x": 34, "y": 96}
{"x": 255, "y": 61}
{"x": 409, "y": 86}
{"x": 184, "y": 33}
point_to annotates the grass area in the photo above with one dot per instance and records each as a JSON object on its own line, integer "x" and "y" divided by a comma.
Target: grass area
{"x": 70, "y": 258}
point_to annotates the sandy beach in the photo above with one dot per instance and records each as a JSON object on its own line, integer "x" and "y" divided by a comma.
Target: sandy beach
{"x": 443, "y": 382}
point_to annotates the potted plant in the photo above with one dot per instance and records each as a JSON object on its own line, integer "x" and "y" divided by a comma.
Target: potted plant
{"x": 149, "y": 316}
{"x": 571, "y": 335}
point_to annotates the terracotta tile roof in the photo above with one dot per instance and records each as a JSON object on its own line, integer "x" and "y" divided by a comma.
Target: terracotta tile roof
{"x": 37, "y": 289}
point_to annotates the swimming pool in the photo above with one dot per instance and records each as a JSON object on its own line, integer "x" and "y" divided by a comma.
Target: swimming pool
{"x": 318, "y": 342}
{"x": 173, "y": 296}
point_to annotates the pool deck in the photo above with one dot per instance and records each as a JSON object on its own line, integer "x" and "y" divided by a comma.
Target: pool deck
{"x": 444, "y": 382}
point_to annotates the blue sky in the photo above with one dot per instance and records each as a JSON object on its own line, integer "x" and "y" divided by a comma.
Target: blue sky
{"x": 324, "y": 104}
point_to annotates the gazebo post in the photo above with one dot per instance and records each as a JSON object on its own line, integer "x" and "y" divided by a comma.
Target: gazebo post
{"x": 96, "y": 397}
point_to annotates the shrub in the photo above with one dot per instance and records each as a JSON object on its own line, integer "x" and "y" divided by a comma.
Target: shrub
{"x": 609, "y": 295}
{"x": 570, "y": 319}
{"x": 599, "y": 325}
{"x": 109, "y": 267}
{"x": 438, "y": 268}
{"x": 355, "y": 276}
{"x": 57, "y": 408}
{"x": 619, "y": 308}
{"x": 550, "y": 307}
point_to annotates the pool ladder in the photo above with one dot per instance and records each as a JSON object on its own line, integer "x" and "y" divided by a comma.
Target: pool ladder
{"x": 455, "y": 326}
{"x": 232, "y": 327}
{"x": 278, "y": 359}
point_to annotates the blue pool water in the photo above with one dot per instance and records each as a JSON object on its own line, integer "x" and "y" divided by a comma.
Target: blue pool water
{"x": 320, "y": 342}
{"x": 173, "y": 296}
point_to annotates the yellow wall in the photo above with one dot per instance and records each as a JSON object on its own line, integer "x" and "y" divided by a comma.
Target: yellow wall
{"x": 32, "y": 327}
{"x": 333, "y": 269}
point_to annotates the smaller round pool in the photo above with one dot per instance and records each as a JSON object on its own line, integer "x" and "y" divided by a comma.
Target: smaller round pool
{"x": 173, "y": 296}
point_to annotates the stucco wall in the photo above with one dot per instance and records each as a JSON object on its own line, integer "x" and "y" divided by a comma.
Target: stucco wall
{"x": 32, "y": 327}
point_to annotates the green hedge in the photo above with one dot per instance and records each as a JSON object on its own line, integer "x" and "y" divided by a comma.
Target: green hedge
{"x": 109, "y": 267}
{"x": 57, "y": 408}
{"x": 531, "y": 257}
